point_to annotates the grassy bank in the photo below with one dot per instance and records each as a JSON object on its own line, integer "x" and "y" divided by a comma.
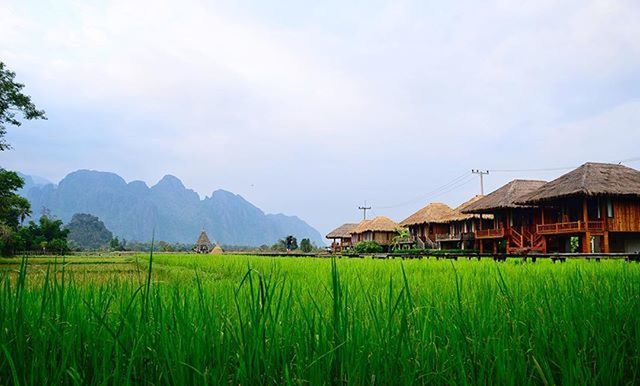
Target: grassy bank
{"x": 257, "y": 320}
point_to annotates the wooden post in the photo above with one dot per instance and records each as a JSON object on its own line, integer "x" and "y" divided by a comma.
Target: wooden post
{"x": 586, "y": 241}
{"x": 605, "y": 228}
{"x": 542, "y": 215}
{"x": 495, "y": 247}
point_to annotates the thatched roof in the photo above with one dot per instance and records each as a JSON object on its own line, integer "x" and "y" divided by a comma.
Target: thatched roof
{"x": 432, "y": 213}
{"x": 378, "y": 224}
{"x": 341, "y": 232}
{"x": 590, "y": 179}
{"x": 505, "y": 197}
{"x": 457, "y": 214}
{"x": 203, "y": 239}
{"x": 217, "y": 250}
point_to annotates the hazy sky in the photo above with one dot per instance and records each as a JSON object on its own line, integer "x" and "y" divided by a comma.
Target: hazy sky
{"x": 309, "y": 109}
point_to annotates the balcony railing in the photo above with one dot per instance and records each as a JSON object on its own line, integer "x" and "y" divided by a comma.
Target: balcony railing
{"x": 570, "y": 227}
{"x": 490, "y": 233}
{"x": 448, "y": 236}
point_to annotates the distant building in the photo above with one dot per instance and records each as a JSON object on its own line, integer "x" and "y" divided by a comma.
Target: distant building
{"x": 381, "y": 229}
{"x": 341, "y": 237}
{"x": 426, "y": 223}
{"x": 217, "y": 250}
{"x": 514, "y": 225}
{"x": 597, "y": 203}
{"x": 463, "y": 227}
{"x": 203, "y": 245}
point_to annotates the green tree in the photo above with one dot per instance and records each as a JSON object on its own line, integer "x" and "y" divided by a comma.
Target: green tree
{"x": 13, "y": 101}
{"x": 291, "y": 243}
{"x": 401, "y": 235}
{"x": 305, "y": 245}
{"x": 88, "y": 232}
{"x": 13, "y": 208}
{"x": 116, "y": 245}
{"x": 47, "y": 236}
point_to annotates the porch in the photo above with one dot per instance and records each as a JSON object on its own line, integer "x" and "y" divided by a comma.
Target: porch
{"x": 571, "y": 227}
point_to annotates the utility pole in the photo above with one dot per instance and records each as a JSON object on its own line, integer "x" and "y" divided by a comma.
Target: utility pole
{"x": 481, "y": 173}
{"x": 364, "y": 210}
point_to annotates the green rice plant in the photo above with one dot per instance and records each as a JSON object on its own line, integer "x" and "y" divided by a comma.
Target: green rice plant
{"x": 193, "y": 319}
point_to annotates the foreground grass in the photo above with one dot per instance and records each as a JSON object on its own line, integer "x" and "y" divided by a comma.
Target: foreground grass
{"x": 255, "y": 320}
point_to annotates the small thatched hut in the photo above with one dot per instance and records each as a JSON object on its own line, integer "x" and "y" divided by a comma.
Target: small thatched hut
{"x": 598, "y": 203}
{"x": 428, "y": 222}
{"x": 514, "y": 223}
{"x": 341, "y": 237}
{"x": 203, "y": 244}
{"x": 381, "y": 229}
{"x": 217, "y": 250}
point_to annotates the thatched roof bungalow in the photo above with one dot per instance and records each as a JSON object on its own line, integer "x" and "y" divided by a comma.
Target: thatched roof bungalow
{"x": 380, "y": 229}
{"x": 341, "y": 237}
{"x": 514, "y": 223}
{"x": 428, "y": 222}
{"x": 203, "y": 244}
{"x": 598, "y": 202}
{"x": 217, "y": 250}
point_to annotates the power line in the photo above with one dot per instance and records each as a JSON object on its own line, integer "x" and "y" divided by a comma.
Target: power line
{"x": 554, "y": 169}
{"x": 465, "y": 176}
{"x": 530, "y": 170}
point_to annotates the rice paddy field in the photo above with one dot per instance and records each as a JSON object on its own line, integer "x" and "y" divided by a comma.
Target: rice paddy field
{"x": 212, "y": 320}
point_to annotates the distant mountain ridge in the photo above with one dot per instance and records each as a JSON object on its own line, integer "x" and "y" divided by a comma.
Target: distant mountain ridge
{"x": 132, "y": 210}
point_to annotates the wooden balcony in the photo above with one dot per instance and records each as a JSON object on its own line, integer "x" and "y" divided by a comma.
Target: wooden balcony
{"x": 490, "y": 234}
{"x": 448, "y": 237}
{"x": 570, "y": 227}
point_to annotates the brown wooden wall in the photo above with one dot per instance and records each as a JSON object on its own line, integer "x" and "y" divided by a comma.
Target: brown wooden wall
{"x": 382, "y": 238}
{"x": 626, "y": 216}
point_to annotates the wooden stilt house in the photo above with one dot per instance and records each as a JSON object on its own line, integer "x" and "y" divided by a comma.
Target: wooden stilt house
{"x": 463, "y": 227}
{"x": 514, "y": 224}
{"x": 381, "y": 229}
{"x": 597, "y": 205}
{"x": 341, "y": 237}
{"x": 425, "y": 224}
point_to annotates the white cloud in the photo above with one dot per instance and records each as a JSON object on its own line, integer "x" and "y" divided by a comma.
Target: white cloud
{"x": 353, "y": 96}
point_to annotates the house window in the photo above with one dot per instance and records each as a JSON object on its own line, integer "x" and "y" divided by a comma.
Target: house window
{"x": 609, "y": 208}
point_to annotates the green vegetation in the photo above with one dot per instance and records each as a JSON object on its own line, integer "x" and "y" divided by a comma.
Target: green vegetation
{"x": 367, "y": 247}
{"x": 45, "y": 236}
{"x": 256, "y": 320}
{"x": 88, "y": 232}
{"x": 12, "y": 101}
{"x": 306, "y": 246}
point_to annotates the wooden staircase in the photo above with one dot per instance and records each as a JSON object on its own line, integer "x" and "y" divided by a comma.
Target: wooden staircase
{"x": 525, "y": 241}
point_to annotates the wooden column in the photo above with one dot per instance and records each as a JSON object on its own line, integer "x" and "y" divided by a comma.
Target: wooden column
{"x": 605, "y": 227}
{"x": 586, "y": 240}
{"x": 542, "y": 215}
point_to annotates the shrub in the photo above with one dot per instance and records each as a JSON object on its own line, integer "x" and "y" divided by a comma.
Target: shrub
{"x": 368, "y": 247}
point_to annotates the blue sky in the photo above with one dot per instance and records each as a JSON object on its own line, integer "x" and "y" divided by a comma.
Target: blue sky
{"x": 311, "y": 108}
